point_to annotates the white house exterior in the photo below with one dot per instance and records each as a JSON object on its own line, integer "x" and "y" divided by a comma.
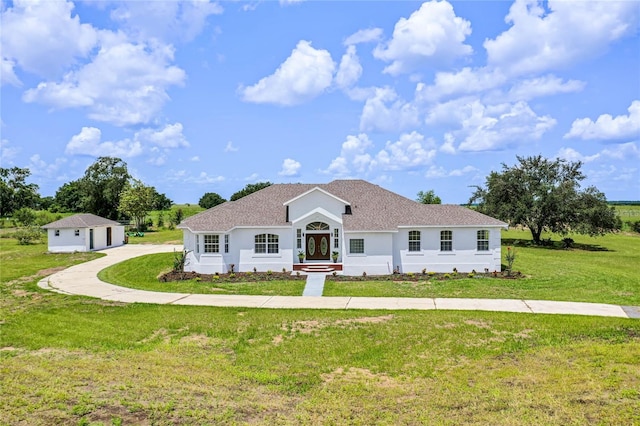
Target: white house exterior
{"x": 83, "y": 232}
{"x": 372, "y": 229}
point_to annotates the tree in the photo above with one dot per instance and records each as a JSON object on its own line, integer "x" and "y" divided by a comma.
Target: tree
{"x": 161, "y": 201}
{"x": 249, "y": 189}
{"x": 210, "y": 199}
{"x": 69, "y": 197}
{"x": 428, "y": 197}
{"x": 15, "y": 192}
{"x": 541, "y": 194}
{"x": 102, "y": 184}
{"x": 136, "y": 201}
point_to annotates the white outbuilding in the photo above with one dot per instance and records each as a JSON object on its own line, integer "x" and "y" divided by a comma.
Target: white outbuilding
{"x": 84, "y": 232}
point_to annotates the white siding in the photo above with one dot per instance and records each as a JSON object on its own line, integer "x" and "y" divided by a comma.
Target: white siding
{"x": 313, "y": 200}
{"x": 378, "y": 254}
{"x": 464, "y": 257}
{"x": 68, "y": 242}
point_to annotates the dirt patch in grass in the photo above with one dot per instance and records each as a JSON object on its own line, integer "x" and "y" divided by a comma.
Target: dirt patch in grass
{"x": 358, "y": 375}
{"x": 314, "y": 326}
{"x": 41, "y": 273}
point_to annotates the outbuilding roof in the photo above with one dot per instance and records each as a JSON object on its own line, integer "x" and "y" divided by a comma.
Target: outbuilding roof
{"x": 373, "y": 208}
{"x": 82, "y": 220}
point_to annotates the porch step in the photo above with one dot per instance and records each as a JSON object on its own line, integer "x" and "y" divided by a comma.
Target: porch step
{"x": 317, "y": 268}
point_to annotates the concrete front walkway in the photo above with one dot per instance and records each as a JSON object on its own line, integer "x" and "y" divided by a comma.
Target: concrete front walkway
{"x": 82, "y": 280}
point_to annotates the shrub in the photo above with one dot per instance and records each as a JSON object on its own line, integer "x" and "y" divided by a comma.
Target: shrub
{"x": 567, "y": 242}
{"x": 26, "y": 236}
{"x": 446, "y": 276}
{"x": 410, "y": 274}
{"x": 25, "y": 216}
{"x": 635, "y": 226}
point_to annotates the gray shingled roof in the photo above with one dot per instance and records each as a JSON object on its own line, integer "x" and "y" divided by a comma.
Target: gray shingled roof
{"x": 83, "y": 220}
{"x": 373, "y": 209}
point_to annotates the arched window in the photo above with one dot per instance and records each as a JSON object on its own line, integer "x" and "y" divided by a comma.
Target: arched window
{"x": 317, "y": 226}
{"x": 266, "y": 243}
{"x": 414, "y": 240}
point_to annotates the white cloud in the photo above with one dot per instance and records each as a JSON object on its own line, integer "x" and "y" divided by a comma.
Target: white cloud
{"x": 467, "y": 80}
{"x": 434, "y": 172}
{"x": 364, "y": 36}
{"x": 195, "y": 159}
{"x": 169, "y": 137}
{"x": 43, "y": 38}
{"x": 125, "y": 84}
{"x": 88, "y": 142}
{"x": 290, "y": 168}
{"x": 165, "y": 20}
{"x": 431, "y": 35}
{"x": 543, "y": 39}
{"x": 7, "y": 153}
{"x": 408, "y": 153}
{"x": 158, "y": 142}
{"x": 7, "y": 74}
{"x": 350, "y": 70}
{"x": 305, "y": 74}
{"x": 463, "y": 171}
{"x": 353, "y": 157}
{"x": 623, "y": 151}
{"x": 201, "y": 178}
{"x": 41, "y": 168}
{"x": 608, "y": 127}
{"x": 448, "y": 146}
{"x": 548, "y": 85}
{"x": 230, "y": 147}
{"x": 253, "y": 177}
{"x": 571, "y": 154}
{"x": 495, "y": 127}
{"x": 384, "y": 111}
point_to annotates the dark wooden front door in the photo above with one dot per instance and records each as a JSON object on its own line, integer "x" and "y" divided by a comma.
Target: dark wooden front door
{"x": 109, "y": 237}
{"x": 318, "y": 247}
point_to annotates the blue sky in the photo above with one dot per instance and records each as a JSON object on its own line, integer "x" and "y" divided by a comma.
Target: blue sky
{"x": 201, "y": 96}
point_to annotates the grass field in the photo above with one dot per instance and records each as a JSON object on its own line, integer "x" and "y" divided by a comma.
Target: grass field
{"x": 75, "y": 360}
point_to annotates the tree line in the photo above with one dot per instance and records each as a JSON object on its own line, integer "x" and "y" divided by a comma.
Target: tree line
{"x": 538, "y": 193}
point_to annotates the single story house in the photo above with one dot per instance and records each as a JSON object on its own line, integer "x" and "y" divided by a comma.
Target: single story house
{"x": 370, "y": 230}
{"x": 84, "y": 232}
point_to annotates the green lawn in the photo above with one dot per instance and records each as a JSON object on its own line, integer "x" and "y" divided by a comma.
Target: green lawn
{"x": 76, "y": 360}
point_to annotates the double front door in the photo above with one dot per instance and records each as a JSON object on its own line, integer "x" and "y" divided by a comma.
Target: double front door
{"x": 318, "y": 247}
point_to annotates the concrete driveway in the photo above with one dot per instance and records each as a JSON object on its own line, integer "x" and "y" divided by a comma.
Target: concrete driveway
{"x": 82, "y": 280}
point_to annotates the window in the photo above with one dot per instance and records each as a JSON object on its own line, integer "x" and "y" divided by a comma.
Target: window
{"x": 317, "y": 226}
{"x": 336, "y": 238}
{"x": 266, "y": 243}
{"x": 414, "y": 240}
{"x": 226, "y": 243}
{"x": 76, "y": 232}
{"x": 356, "y": 246}
{"x": 197, "y": 243}
{"x": 212, "y": 244}
{"x": 483, "y": 240}
{"x": 56, "y": 232}
{"x": 299, "y": 238}
{"x": 446, "y": 241}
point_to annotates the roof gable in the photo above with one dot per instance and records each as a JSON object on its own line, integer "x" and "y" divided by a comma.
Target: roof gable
{"x": 314, "y": 189}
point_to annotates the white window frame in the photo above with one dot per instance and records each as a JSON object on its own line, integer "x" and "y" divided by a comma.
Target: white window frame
{"x": 446, "y": 240}
{"x": 56, "y": 232}
{"x": 197, "y": 243}
{"x": 336, "y": 238}
{"x": 211, "y": 243}
{"x": 482, "y": 240}
{"x": 76, "y": 232}
{"x": 356, "y": 245}
{"x": 226, "y": 243}
{"x": 266, "y": 244}
{"x": 414, "y": 241}
{"x": 299, "y": 239}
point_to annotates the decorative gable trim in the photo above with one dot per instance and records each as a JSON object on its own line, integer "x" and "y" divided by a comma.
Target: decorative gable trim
{"x": 304, "y": 194}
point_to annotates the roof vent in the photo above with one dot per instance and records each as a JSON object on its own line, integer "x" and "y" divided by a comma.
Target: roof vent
{"x": 347, "y": 209}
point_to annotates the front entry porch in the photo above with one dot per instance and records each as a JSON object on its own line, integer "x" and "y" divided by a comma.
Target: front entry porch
{"x": 317, "y": 267}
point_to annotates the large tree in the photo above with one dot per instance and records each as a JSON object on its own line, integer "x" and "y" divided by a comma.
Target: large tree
{"x": 161, "y": 201}
{"x": 15, "y": 192}
{"x": 69, "y": 197}
{"x": 210, "y": 199}
{"x": 102, "y": 184}
{"x": 249, "y": 189}
{"x": 543, "y": 194}
{"x": 428, "y": 197}
{"x": 136, "y": 201}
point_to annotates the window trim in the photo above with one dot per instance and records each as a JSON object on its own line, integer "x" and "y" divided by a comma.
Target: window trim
{"x": 299, "y": 239}
{"x": 211, "y": 247}
{"x": 356, "y": 243}
{"x": 266, "y": 244}
{"x": 484, "y": 241}
{"x": 226, "y": 243}
{"x": 446, "y": 244}
{"x": 56, "y": 232}
{"x": 336, "y": 238}
{"x": 414, "y": 241}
